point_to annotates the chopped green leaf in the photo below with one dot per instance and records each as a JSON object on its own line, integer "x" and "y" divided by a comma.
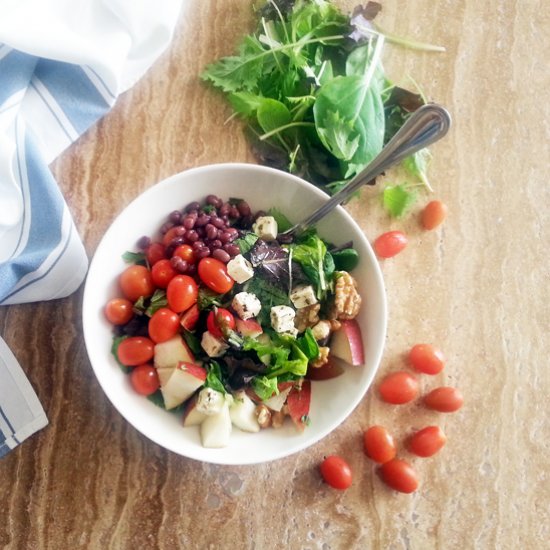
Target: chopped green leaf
{"x": 114, "y": 350}
{"x": 157, "y": 301}
{"x": 214, "y": 377}
{"x": 246, "y": 242}
{"x": 417, "y": 166}
{"x": 345, "y": 260}
{"x": 397, "y": 199}
{"x": 264, "y": 387}
{"x": 137, "y": 258}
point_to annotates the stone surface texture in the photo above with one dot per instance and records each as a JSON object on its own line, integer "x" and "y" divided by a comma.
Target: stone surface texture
{"x": 478, "y": 287}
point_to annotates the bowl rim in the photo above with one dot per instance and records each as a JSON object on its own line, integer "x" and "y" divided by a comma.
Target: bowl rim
{"x": 215, "y": 167}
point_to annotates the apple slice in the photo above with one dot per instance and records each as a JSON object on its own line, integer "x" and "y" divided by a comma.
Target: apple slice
{"x": 298, "y": 402}
{"x": 216, "y": 429}
{"x": 172, "y": 352}
{"x": 243, "y": 413}
{"x": 329, "y": 370}
{"x": 190, "y": 318}
{"x": 347, "y": 343}
{"x": 277, "y": 400}
{"x": 181, "y": 383}
{"x": 248, "y": 327}
{"x": 191, "y": 416}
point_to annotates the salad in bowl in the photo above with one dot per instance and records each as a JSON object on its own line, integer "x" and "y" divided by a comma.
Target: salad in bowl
{"x": 219, "y": 337}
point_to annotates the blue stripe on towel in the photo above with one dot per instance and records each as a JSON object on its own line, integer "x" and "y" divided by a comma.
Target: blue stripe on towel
{"x": 45, "y": 226}
{"x": 73, "y": 91}
{"x": 16, "y": 70}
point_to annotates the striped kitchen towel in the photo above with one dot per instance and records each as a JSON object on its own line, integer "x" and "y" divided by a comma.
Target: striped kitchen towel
{"x": 63, "y": 63}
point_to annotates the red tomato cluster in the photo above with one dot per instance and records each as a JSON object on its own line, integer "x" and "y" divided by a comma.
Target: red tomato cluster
{"x": 380, "y": 445}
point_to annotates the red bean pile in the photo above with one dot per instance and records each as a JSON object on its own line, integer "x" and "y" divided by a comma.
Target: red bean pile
{"x": 209, "y": 229}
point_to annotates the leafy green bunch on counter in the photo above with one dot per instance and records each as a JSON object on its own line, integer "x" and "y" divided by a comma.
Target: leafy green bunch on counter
{"x": 311, "y": 87}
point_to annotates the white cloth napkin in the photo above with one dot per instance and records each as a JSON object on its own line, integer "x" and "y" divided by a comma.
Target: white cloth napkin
{"x": 63, "y": 63}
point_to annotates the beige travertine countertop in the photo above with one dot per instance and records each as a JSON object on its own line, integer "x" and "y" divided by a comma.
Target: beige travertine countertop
{"x": 478, "y": 287}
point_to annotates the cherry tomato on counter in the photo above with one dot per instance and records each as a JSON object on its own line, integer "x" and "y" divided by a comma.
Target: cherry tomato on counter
{"x": 379, "y": 444}
{"x": 399, "y": 475}
{"x": 182, "y": 292}
{"x": 434, "y": 214}
{"x": 398, "y": 388}
{"x": 144, "y": 379}
{"x": 135, "y": 281}
{"x": 444, "y": 399}
{"x": 164, "y": 324}
{"x": 336, "y": 472}
{"x": 135, "y": 350}
{"x": 426, "y": 358}
{"x": 213, "y": 273}
{"x": 218, "y": 320}
{"x": 389, "y": 244}
{"x": 119, "y": 311}
{"x": 427, "y": 442}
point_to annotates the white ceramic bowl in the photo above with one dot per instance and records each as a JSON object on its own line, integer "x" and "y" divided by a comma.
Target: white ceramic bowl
{"x": 332, "y": 400}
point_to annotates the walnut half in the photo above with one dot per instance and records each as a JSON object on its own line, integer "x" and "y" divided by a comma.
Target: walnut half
{"x": 347, "y": 300}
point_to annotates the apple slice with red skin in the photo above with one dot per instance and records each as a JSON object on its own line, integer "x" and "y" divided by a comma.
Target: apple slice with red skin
{"x": 190, "y": 318}
{"x": 298, "y": 403}
{"x": 181, "y": 384}
{"x": 173, "y": 351}
{"x": 248, "y": 327}
{"x": 329, "y": 370}
{"x": 347, "y": 343}
{"x": 191, "y": 416}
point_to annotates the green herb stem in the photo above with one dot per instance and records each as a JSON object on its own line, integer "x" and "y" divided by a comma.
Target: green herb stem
{"x": 405, "y": 42}
{"x": 285, "y": 127}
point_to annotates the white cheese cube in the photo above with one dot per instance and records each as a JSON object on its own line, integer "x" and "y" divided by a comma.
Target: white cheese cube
{"x": 210, "y": 401}
{"x": 266, "y": 228}
{"x": 303, "y": 296}
{"x": 282, "y": 319}
{"x": 240, "y": 269}
{"x": 246, "y": 305}
{"x": 213, "y": 346}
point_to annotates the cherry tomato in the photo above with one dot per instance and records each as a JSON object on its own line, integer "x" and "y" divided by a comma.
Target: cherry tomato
{"x": 444, "y": 399}
{"x": 119, "y": 311}
{"x": 213, "y": 274}
{"x": 426, "y": 358}
{"x": 427, "y": 442}
{"x": 182, "y": 292}
{"x": 379, "y": 444}
{"x": 144, "y": 379}
{"x": 218, "y": 320}
{"x": 163, "y": 324}
{"x": 172, "y": 233}
{"x": 399, "y": 475}
{"x": 434, "y": 214}
{"x": 155, "y": 252}
{"x": 398, "y": 388}
{"x": 162, "y": 273}
{"x": 135, "y": 350}
{"x": 135, "y": 281}
{"x": 389, "y": 244}
{"x": 336, "y": 472}
{"x": 185, "y": 252}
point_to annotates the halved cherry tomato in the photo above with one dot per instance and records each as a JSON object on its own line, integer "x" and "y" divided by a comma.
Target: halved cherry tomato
{"x": 336, "y": 472}
{"x": 427, "y": 442}
{"x": 379, "y": 444}
{"x": 182, "y": 292}
{"x": 155, "y": 251}
{"x": 213, "y": 274}
{"x": 164, "y": 324}
{"x": 135, "y": 281}
{"x": 426, "y": 358}
{"x": 119, "y": 311}
{"x": 144, "y": 379}
{"x": 398, "y": 388}
{"x": 389, "y": 244}
{"x": 444, "y": 399}
{"x": 218, "y": 321}
{"x": 185, "y": 252}
{"x": 399, "y": 475}
{"x": 162, "y": 273}
{"x": 135, "y": 350}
